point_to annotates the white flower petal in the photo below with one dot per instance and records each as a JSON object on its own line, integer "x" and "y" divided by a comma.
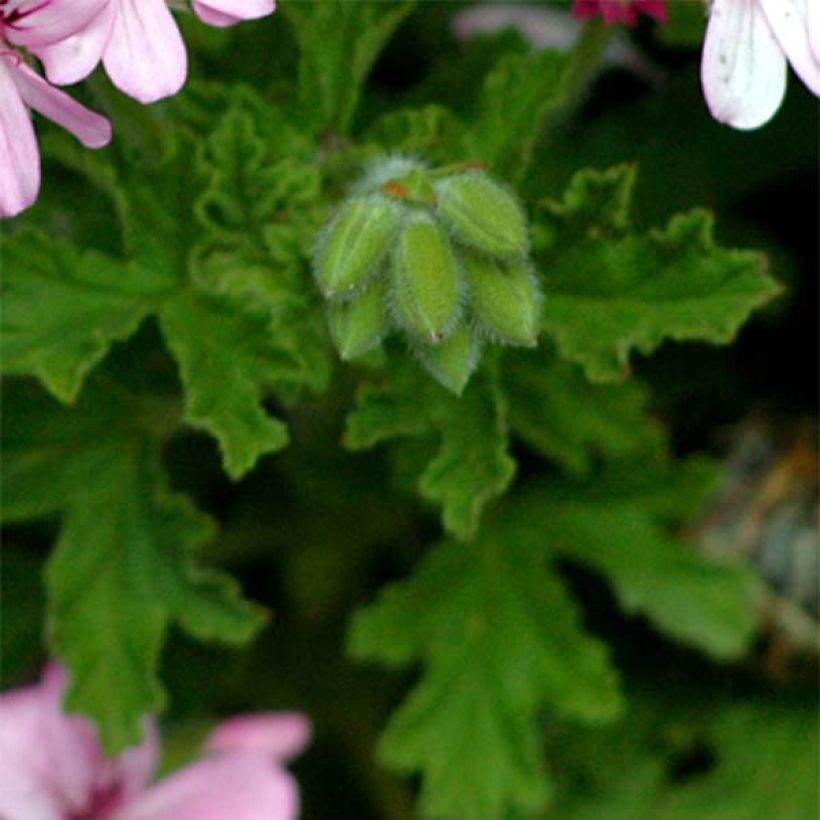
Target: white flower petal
{"x": 790, "y": 23}
{"x": 813, "y": 17}
{"x": 743, "y": 69}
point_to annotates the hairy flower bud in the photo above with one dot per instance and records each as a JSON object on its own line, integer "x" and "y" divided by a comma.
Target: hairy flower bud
{"x": 350, "y": 251}
{"x": 505, "y": 300}
{"x": 426, "y": 281}
{"x": 359, "y": 324}
{"x": 482, "y": 214}
{"x": 453, "y": 361}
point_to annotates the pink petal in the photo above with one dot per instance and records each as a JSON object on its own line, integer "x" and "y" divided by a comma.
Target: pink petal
{"x": 789, "y": 22}
{"x": 228, "y": 12}
{"x": 49, "y": 22}
{"x": 91, "y": 129}
{"x": 74, "y": 58}
{"x": 145, "y": 56}
{"x": 743, "y": 69}
{"x": 19, "y": 156}
{"x": 278, "y": 737}
{"x": 238, "y": 786}
{"x": 52, "y": 766}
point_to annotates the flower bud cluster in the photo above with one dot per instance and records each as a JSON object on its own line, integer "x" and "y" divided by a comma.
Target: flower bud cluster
{"x": 440, "y": 256}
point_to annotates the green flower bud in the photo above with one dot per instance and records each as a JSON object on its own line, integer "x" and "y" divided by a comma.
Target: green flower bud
{"x": 355, "y": 243}
{"x": 453, "y": 361}
{"x": 426, "y": 295}
{"x": 358, "y": 325}
{"x": 505, "y": 300}
{"x": 483, "y": 215}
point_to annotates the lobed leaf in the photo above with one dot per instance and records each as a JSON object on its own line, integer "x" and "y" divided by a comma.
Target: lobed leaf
{"x": 609, "y": 292}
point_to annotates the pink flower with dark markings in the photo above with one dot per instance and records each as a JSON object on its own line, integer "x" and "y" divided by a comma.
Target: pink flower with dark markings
{"x": 748, "y": 46}
{"x": 139, "y": 44}
{"x": 36, "y": 24}
{"x": 619, "y": 11}
{"x": 52, "y": 767}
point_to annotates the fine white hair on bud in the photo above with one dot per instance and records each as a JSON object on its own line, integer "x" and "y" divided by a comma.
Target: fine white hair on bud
{"x": 440, "y": 256}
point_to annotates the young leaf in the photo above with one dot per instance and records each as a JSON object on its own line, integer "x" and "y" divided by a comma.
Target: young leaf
{"x": 62, "y": 309}
{"x": 500, "y": 640}
{"x": 122, "y": 570}
{"x": 518, "y": 93}
{"x": 339, "y": 44}
{"x": 472, "y": 466}
{"x": 431, "y": 132}
{"x": 608, "y": 291}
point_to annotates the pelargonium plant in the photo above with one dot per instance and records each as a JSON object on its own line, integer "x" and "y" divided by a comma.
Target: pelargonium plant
{"x": 374, "y": 380}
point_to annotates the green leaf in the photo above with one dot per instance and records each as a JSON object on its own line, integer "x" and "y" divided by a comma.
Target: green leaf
{"x": 432, "y": 132}
{"x": 62, "y": 309}
{"x": 518, "y": 93}
{"x": 472, "y": 465}
{"x": 767, "y": 768}
{"x": 765, "y": 757}
{"x": 225, "y": 359}
{"x": 500, "y": 640}
{"x": 608, "y": 291}
{"x": 619, "y": 525}
{"x": 122, "y": 570}
{"x": 339, "y": 43}
{"x": 572, "y": 421}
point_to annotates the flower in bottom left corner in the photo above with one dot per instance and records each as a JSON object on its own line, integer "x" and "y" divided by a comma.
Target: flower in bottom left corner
{"x": 52, "y": 766}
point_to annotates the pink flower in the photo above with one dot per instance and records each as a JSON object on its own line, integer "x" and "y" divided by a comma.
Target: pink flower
{"x": 619, "y": 11}
{"x": 139, "y": 44}
{"x": 745, "y": 54}
{"x": 51, "y": 767}
{"x": 34, "y": 24}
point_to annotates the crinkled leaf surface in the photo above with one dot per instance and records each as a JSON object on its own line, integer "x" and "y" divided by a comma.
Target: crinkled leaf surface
{"x": 609, "y": 291}
{"x": 122, "y": 570}
{"x": 472, "y": 465}
{"x": 500, "y": 640}
{"x": 216, "y": 239}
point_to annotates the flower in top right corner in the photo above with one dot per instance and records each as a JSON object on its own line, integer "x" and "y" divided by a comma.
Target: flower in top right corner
{"x": 745, "y": 54}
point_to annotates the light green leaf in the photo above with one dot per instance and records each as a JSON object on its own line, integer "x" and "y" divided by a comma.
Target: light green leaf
{"x": 225, "y": 358}
{"x": 500, "y": 641}
{"x": 62, "y": 309}
{"x": 339, "y": 43}
{"x": 472, "y": 465}
{"x": 566, "y": 418}
{"x": 431, "y": 132}
{"x": 518, "y": 93}
{"x": 609, "y": 292}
